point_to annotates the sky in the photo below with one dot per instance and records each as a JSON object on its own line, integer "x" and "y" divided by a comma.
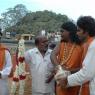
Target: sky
{"x": 72, "y": 8}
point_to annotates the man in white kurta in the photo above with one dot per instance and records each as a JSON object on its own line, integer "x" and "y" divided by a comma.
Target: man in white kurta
{"x": 87, "y": 73}
{"x": 40, "y": 67}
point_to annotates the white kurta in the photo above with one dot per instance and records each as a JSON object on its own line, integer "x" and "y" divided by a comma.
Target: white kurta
{"x": 40, "y": 66}
{"x": 4, "y": 89}
{"x": 87, "y": 73}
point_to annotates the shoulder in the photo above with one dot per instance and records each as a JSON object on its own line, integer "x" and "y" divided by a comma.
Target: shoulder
{"x": 33, "y": 50}
{"x": 4, "y": 48}
{"x": 79, "y": 47}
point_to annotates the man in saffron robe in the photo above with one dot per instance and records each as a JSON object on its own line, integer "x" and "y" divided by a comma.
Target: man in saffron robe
{"x": 86, "y": 31}
{"x": 5, "y": 68}
{"x": 68, "y": 54}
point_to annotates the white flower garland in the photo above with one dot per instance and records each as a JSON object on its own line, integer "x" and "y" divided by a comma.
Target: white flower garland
{"x": 19, "y": 74}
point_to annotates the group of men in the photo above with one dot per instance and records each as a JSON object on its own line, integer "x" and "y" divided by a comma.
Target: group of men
{"x": 74, "y": 53}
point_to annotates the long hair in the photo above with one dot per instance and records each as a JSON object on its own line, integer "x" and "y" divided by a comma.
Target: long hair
{"x": 72, "y": 29}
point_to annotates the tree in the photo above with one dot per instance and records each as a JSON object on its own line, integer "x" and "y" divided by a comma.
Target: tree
{"x": 13, "y": 15}
{"x": 34, "y": 22}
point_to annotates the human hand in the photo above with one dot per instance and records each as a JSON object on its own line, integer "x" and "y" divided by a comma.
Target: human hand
{"x": 51, "y": 76}
{"x": 63, "y": 82}
{"x": 61, "y": 74}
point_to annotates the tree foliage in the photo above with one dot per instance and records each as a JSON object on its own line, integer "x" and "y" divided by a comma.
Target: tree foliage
{"x": 34, "y": 22}
{"x": 20, "y": 20}
{"x": 13, "y": 15}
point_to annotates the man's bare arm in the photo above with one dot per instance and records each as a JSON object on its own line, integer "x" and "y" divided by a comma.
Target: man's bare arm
{"x": 54, "y": 55}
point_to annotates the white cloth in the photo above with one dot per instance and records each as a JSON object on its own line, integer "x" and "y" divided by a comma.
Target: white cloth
{"x": 87, "y": 72}
{"x": 61, "y": 73}
{"x": 4, "y": 89}
{"x": 40, "y": 66}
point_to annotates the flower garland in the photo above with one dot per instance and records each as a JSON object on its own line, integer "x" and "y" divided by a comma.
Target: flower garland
{"x": 19, "y": 74}
{"x": 67, "y": 53}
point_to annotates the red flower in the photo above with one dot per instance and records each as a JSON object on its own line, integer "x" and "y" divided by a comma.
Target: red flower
{"x": 21, "y": 59}
{"x": 15, "y": 79}
{"x": 22, "y": 77}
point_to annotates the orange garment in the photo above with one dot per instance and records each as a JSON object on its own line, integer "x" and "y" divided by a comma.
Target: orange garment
{"x": 2, "y": 56}
{"x": 85, "y": 87}
{"x": 73, "y": 63}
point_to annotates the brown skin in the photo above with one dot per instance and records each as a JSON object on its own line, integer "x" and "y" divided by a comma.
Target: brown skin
{"x": 65, "y": 36}
{"x": 42, "y": 45}
{"x": 54, "y": 55}
{"x": 82, "y": 35}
